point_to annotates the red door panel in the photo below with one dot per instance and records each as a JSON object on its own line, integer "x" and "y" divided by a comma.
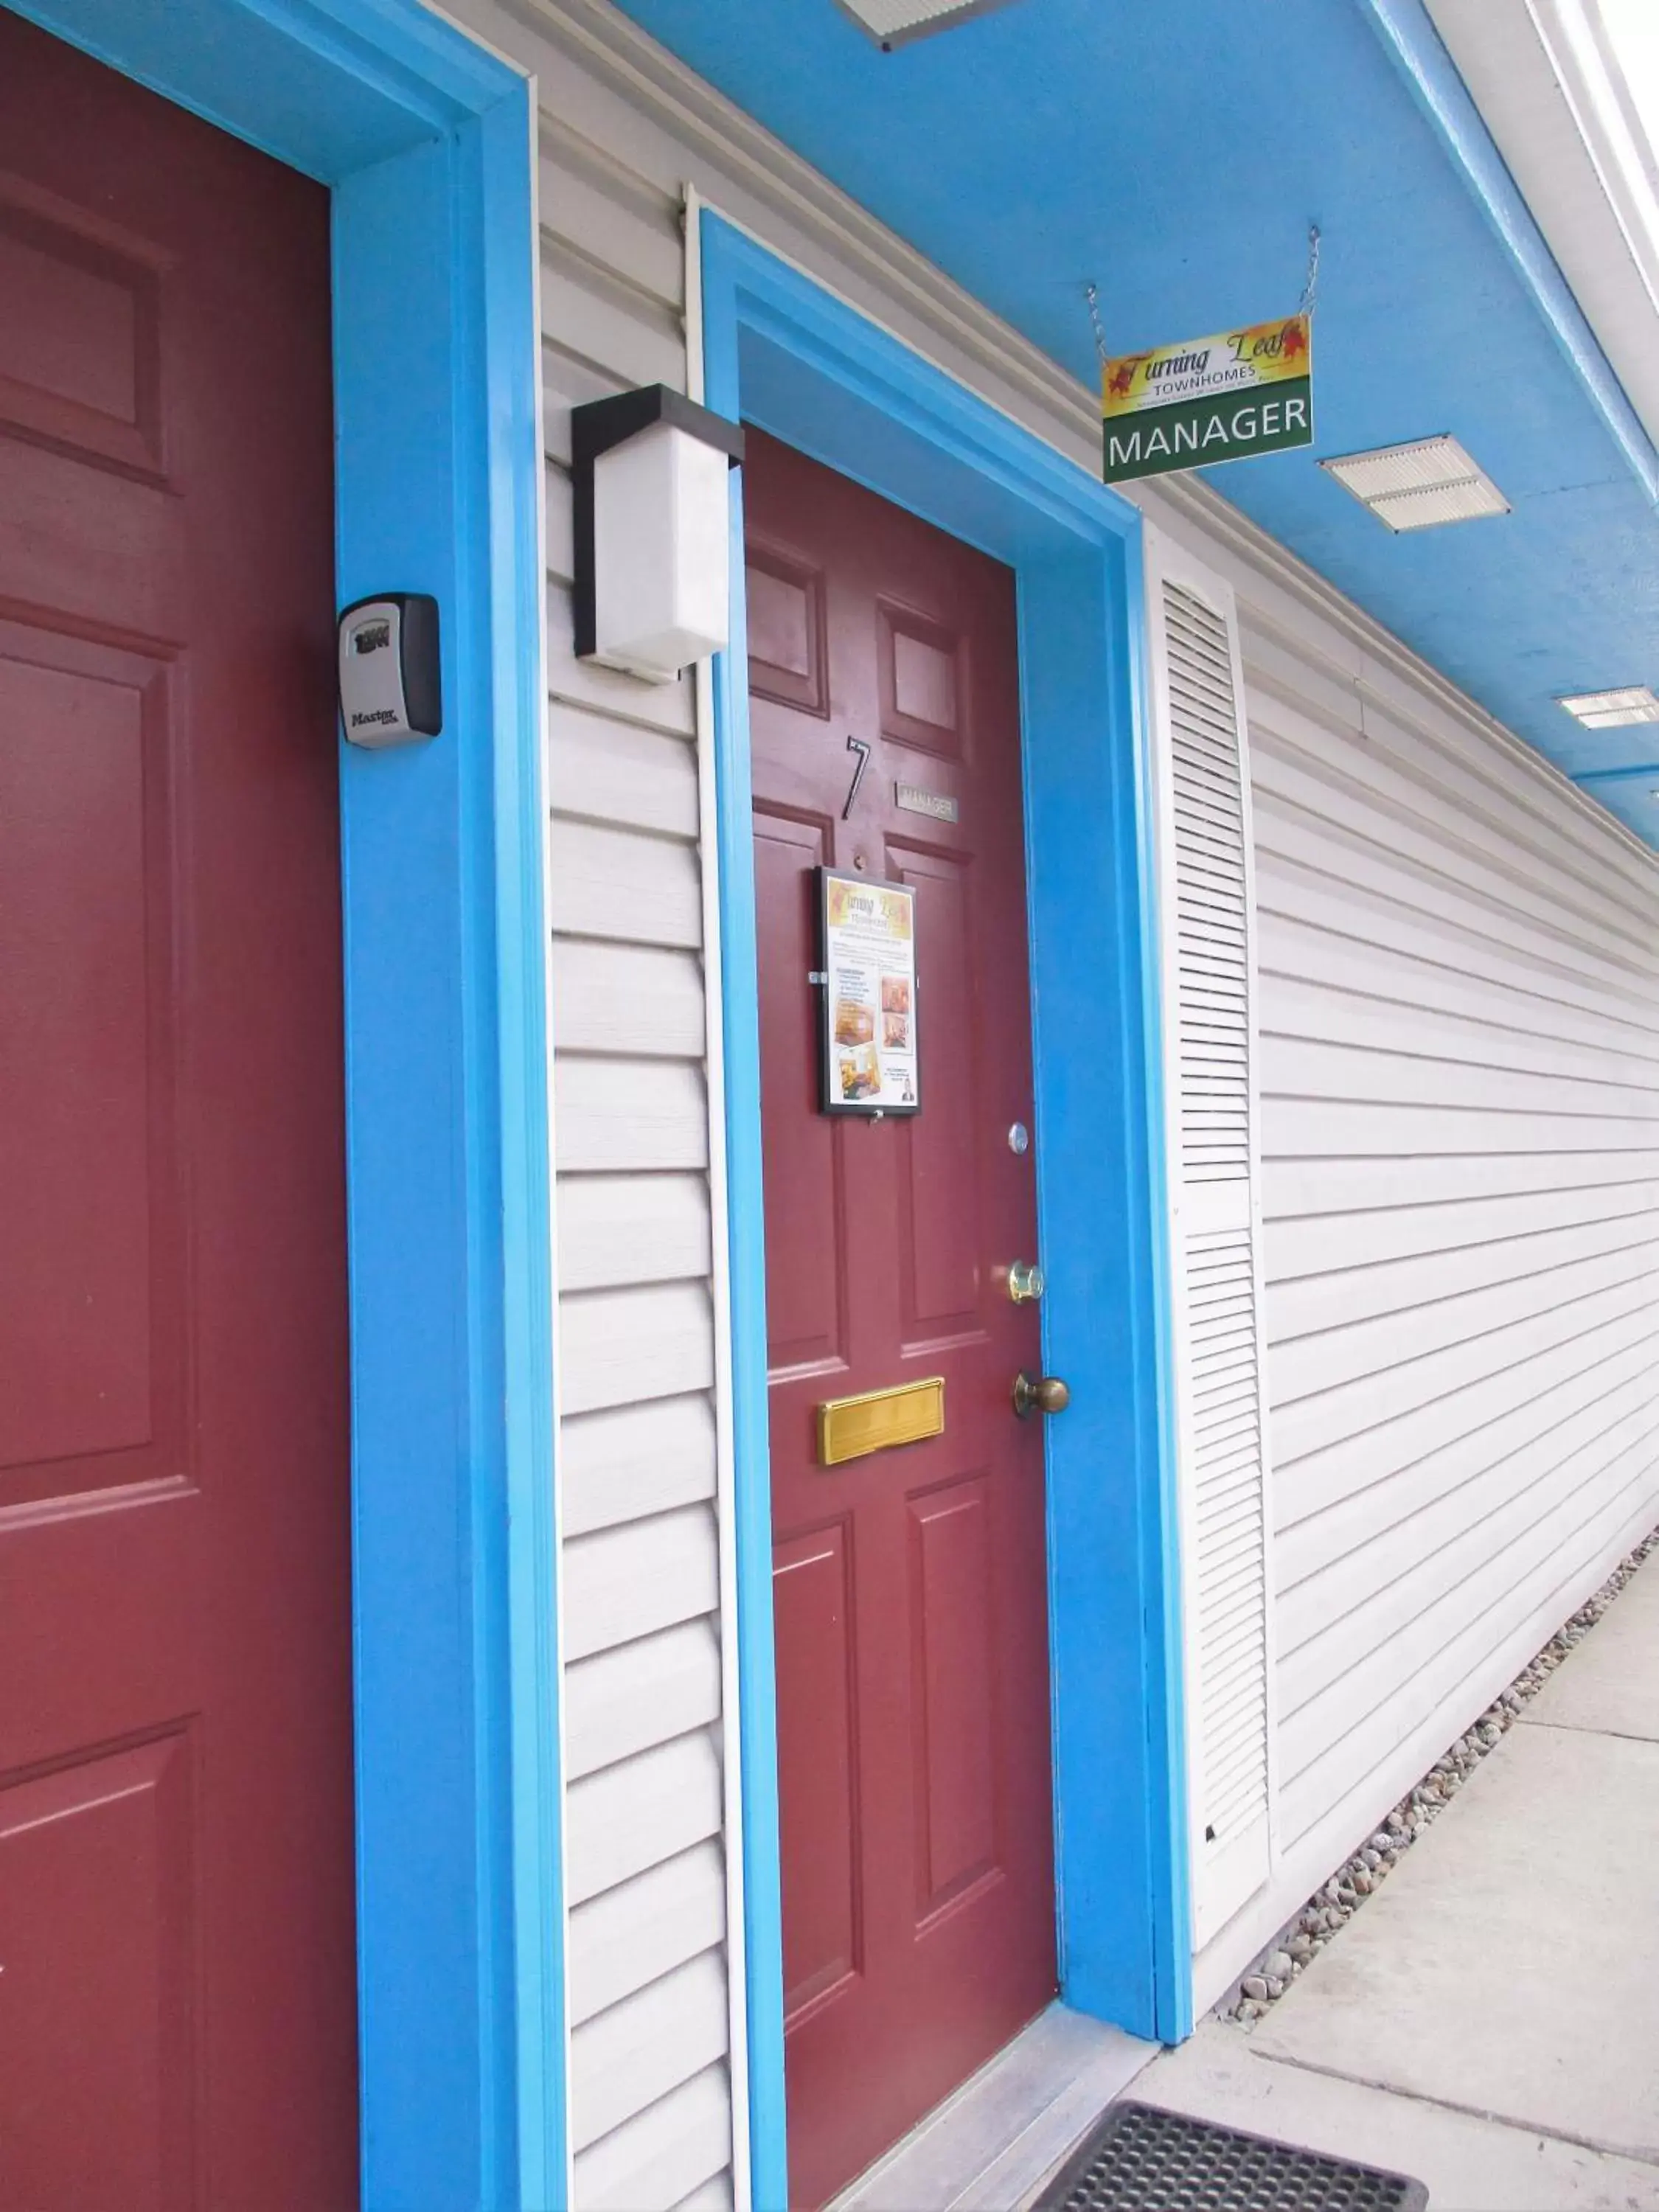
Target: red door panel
{"x": 909, "y": 1586}
{"x": 87, "y": 1186}
{"x": 822, "y": 1936}
{"x": 177, "y": 2007}
{"x": 941, "y": 1235}
{"x": 805, "y": 1317}
{"x": 98, "y": 2100}
{"x": 952, "y": 1748}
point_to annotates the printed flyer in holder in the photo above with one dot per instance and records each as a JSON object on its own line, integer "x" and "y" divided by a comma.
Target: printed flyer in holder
{"x": 869, "y": 1060}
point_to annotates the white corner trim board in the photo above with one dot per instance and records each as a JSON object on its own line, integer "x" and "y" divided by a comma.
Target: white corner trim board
{"x": 1548, "y": 90}
{"x": 725, "y": 1464}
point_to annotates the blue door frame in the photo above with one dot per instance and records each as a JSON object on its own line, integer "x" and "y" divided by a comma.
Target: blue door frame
{"x": 426, "y": 140}
{"x": 783, "y": 353}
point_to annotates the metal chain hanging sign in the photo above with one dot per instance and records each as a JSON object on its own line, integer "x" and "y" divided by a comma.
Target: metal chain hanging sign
{"x": 1218, "y": 399}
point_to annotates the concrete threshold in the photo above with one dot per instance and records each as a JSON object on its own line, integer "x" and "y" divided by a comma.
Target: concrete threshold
{"x": 991, "y": 2144}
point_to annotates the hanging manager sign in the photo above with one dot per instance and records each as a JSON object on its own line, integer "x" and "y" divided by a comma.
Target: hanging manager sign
{"x": 1218, "y": 399}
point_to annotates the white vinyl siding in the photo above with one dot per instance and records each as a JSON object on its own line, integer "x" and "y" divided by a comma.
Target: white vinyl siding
{"x": 1207, "y": 924}
{"x": 1460, "y": 1042}
{"x": 646, "y": 1882}
{"x": 1457, "y": 1004}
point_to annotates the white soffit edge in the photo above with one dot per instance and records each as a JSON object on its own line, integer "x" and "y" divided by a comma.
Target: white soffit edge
{"x": 1537, "y": 71}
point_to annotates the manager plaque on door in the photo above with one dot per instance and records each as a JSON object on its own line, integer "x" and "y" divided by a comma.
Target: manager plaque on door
{"x": 868, "y": 1057}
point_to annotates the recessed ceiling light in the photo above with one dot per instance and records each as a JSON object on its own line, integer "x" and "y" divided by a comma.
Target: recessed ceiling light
{"x": 895, "y": 22}
{"x": 1414, "y": 487}
{"x": 1613, "y": 710}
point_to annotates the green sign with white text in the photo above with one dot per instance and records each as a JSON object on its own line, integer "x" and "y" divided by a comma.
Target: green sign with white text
{"x": 1220, "y": 399}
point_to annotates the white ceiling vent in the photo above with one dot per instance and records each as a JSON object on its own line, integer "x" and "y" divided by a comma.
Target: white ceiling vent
{"x": 1612, "y": 710}
{"x": 895, "y": 22}
{"x": 1414, "y": 487}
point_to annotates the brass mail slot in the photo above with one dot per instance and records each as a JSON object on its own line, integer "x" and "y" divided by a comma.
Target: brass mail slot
{"x": 850, "y": 1427}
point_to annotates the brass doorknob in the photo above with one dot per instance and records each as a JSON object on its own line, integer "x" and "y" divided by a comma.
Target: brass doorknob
{"x": 1039, "y": 1394}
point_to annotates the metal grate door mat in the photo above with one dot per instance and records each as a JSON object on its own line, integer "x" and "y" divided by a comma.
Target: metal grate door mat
{"x": 1142, "y": 2159}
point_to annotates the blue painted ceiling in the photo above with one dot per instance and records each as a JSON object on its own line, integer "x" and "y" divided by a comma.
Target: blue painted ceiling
{"x": 1175, "y": 153}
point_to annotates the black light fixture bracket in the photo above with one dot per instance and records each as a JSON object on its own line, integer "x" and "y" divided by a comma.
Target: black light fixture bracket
{"x": 597, "y": 427}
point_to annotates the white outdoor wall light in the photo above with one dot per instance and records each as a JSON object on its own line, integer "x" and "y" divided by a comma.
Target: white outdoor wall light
{"x": 652, "y": 538}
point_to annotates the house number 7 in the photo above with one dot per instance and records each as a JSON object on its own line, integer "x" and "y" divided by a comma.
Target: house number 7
{"x": 855, "y": 745}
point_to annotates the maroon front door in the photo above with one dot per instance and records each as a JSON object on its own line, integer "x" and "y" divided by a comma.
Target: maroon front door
{"x": 908, "y": 1585}
{"x": 177, "y": 2014}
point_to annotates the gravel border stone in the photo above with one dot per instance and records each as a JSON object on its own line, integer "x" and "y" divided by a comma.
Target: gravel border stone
{"x": 1333, "y": 1906}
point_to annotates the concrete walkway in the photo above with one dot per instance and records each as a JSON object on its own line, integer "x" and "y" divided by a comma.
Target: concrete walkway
{"x": 1489, "y": 2022}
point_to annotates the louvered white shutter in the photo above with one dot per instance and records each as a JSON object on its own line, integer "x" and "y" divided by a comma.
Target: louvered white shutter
{"x": 1208, "y": 915}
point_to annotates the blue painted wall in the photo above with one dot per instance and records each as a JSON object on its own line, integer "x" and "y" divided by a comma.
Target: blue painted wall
{"x": 460, "y": 1934}
{"x": 414, "y": 1534}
